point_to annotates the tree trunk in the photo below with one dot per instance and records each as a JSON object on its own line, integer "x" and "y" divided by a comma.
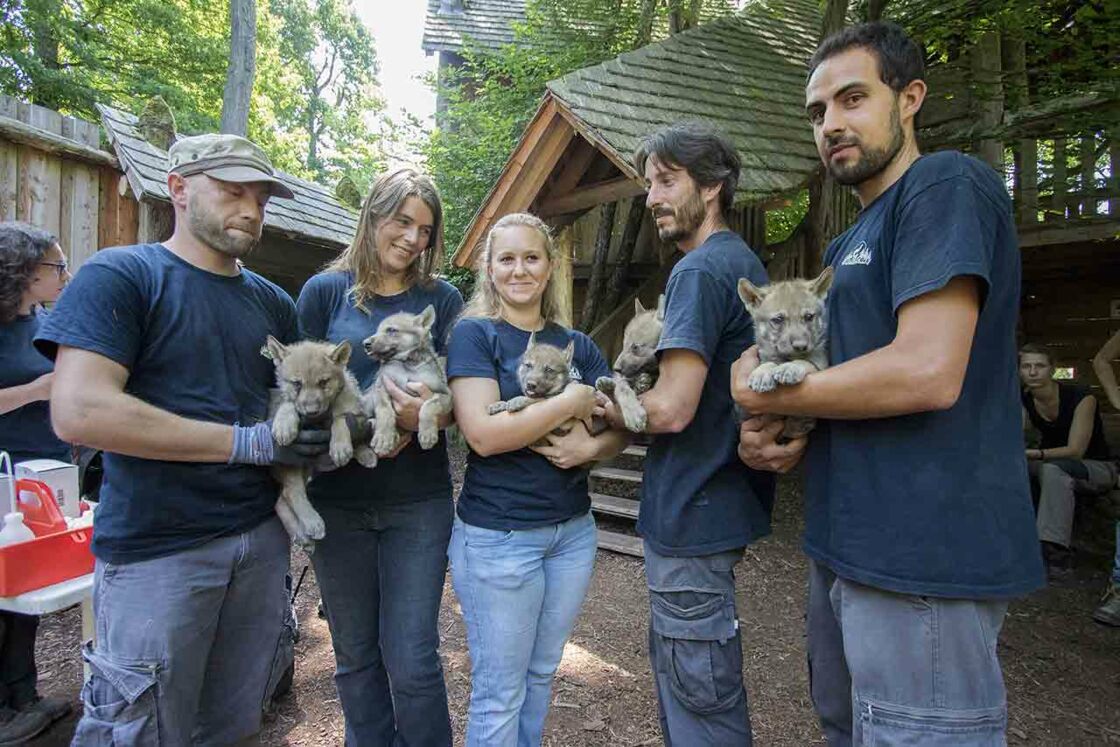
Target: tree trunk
{"x": 242, "y": 67}
{"x": 987, "y": 90}
{"x": 676, "y": 17}
{"x": 595, "y": 283}
{"x": 645, "y": 23}
{"x": 875, "y": 9}
{"x": 835, "y": 13}
{"x": 625, "y": 253}
{"x": 44, "y": 45}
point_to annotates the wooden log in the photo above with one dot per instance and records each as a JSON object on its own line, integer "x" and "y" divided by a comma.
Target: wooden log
{"x": 597, "y": 282}
{"x": 629, "y": 241}
{"x": 988, "y": 90}
{"x": 595, "y": 194}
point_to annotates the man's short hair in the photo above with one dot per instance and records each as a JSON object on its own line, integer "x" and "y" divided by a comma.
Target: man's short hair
{"x": 900, "y": 59}
{"x": 701, "y": 150}
{"x": 1033, "y": 348}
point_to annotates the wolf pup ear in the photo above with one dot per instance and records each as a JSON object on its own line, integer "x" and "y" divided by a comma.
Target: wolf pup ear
{"x": 274, "y": 350}
{"x": 570, "y": 352}
{"x": 341, "y": 353}
{"x": 427, "y": 317}
{"x": 823, "y": 282}
{"x": 638, "y": 308}
{"x": 750, "y": 293}
{"x": 661, "y": 307}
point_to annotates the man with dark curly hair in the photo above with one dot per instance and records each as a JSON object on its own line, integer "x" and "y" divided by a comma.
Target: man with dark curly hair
{"x": 32, "y": 272}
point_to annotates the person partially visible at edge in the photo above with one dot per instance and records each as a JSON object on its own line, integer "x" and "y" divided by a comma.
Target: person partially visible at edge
{"x": 1073, "y": 457}
{"x": 1108, "y": 613}
{"x": 158, "y": 363}
{"x": 918, "y": 519}
{"x": 33, "y": 272}
{"x": 382, "y": 563}
{"x": 700, "y": 505}
{"x": 524, "y": 541}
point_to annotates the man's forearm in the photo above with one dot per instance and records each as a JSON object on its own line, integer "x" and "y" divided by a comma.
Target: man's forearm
{"x": 884, "y": 383}
{"x": 665, "y": 413}
{"x": 15, "y": 397}
{"x": 123, "y": 424}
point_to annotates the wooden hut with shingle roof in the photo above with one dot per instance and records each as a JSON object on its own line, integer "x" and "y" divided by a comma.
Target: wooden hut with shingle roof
{"x": 300, "y": 235}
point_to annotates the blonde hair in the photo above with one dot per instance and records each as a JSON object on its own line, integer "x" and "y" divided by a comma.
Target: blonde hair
{"x": 385, "y": 198}
{"x": 485, "y": 301}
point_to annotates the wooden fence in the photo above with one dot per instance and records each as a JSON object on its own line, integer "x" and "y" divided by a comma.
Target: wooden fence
{"x": 54, "y": 175}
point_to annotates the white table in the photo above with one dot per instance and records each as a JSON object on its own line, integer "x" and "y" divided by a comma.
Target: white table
{"x": 57, "y": 597}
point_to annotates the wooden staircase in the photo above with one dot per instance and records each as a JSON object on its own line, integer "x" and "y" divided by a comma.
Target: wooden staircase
{"x": 615, "y": 488}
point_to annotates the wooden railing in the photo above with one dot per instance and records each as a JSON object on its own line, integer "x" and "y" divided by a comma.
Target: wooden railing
{"x": 1065, "y": 188}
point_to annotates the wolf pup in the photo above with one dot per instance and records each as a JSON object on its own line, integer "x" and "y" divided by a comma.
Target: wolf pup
{"x": 789, "y": 326}
{"x": 403, "y": 345}
{"x": 635, "y": 368}
{"x": 314, "y": 386}
{"x": 543, "y": 372}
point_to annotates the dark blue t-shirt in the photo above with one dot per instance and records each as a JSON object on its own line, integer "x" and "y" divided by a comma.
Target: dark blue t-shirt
{"x": 327, "y": 312}
{"x": 518, "y": 489}
{"x": 698, "y": 498}
{"x": 25, "y": 433}
{"x": 932, "y": 503}
{"x": 191, "y": 342}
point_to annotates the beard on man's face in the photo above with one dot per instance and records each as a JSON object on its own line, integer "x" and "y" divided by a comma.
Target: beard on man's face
{"x": 210, "y": 230}
{"x": 872, "y": 161}
{"x": 687, "y": 217}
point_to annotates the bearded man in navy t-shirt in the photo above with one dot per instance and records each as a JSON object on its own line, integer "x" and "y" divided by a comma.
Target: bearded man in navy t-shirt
{"x": 700, "y": 505}
{"x": 918, "y": 520}
{"x": 159, "y": 364}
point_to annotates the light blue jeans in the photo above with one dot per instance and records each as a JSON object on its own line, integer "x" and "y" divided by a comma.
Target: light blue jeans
{"x": 893, "y": 670}
{"x": 520, "y": 591}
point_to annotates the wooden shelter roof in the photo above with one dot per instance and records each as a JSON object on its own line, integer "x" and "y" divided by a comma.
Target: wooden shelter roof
{"x": 488, "y": 24}
{"x": 743, "y": 73}
{"x": 314, "y": 214}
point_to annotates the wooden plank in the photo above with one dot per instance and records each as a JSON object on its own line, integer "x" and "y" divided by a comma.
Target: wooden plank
{"x": 620, "y": 543}
{"x": 79, "y": 212}
{"x": 9, "y": 180}
{"x": 595, "y": 194}
{"x": 128, "y": 221}
{"x": 25, "y": 133}
{"x": 576, "y": 161}
{"x": 636, "y": 450}
{"x": 615, "y": 473}
{"x": 41, "y": 174}
{"x": 612, "y": 505}
{"x": 108, "y": 198}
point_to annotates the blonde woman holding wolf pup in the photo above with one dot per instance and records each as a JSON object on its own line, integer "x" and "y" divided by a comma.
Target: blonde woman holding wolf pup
{"x": 524, "y": 541}
{"x": 382, "y": 563}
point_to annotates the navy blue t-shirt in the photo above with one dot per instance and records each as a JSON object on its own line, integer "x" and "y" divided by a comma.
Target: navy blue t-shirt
{"x": 518, "y": 489}
{"x": 698, "y": 498}
{"x": 191, "y": 342}
{"x": 327, "y": 312}
{"x": 932, "y": 503}
{"x": 25, "y": 433}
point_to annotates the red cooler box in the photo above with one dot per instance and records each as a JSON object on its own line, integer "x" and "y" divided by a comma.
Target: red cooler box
{"x": 56, "y": 554}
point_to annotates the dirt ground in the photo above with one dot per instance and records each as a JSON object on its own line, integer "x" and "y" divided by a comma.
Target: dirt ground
{"x": 1062, "y": 670}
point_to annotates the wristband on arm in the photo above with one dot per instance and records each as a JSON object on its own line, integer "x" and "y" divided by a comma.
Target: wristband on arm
{"x": 252, "y": 444}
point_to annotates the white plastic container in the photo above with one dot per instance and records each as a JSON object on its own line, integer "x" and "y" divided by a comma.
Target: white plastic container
{"x": 60, "y": 477}
{"x": 14, "y": 530}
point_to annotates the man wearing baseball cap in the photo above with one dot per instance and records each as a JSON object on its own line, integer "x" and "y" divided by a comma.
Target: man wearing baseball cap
{"x": 159, "y": 364}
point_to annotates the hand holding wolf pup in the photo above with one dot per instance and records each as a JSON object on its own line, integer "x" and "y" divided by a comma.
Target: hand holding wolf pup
{"x": 790, "y": 327}
{"x": 314, "y": 386}
{"x": 543, "y": 372}
{"x": 636, "y": 367}
{"x": 403, "y": 345}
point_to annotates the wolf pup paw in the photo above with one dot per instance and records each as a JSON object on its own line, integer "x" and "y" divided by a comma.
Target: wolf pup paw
{"x": 605, "y": 384}
{"x": 495, "y": 407}
{"x": 341, "y": 452}
{"x": 366, "y": 456}
{"x": 762, "y": 379}
{"x": 789, "y": 374}
{"x": 384, "y": 441}
{"x": 428, "y": 437}
{"x": 285, "y": 426}
{"x": 634, "y": 417}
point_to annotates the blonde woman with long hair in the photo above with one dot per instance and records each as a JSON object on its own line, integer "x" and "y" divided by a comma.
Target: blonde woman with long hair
{"x": 523, "y": 545}
{"x": 382, "y": 564}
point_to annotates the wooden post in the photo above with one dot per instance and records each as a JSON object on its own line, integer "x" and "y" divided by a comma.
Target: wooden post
{"x": 1058, "y": 198}
{"x": 597, "y": 281}
{"x": 984, "y": 59}
{"x": 562, "y": 274}
{"x": 625, "y": 254}
{"x": 1088, "y": 173}
{"x": 79, "y": 197}
{"x": 1113, "y": 136}
{"x": 157, "y": 219}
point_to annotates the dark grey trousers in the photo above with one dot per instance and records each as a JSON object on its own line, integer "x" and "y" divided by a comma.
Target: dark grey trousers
{"x": 890, "y": 669}
{"x": 695, "y": 650}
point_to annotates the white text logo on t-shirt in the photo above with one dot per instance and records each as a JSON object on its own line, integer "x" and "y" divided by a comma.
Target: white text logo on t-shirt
{"x": 860, "y": 255}
{"x": 574, "y": 374}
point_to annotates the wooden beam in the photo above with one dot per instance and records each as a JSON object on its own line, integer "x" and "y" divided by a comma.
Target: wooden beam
{"x": 49, "y": 142}
{"x": 595, "y": 139}
{"x": 574, "y": 168}
{"x": 595, "y": 194}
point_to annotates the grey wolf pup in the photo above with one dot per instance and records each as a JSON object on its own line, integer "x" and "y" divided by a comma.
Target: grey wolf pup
{"x": 790, "y": 327}
{"x": 314, "y": 387}
{"x": 635, "y": 368}
{"x": 403, "y": 345}
{"x": 543, "y": 372}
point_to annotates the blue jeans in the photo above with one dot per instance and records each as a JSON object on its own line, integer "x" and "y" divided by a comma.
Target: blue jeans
{"x": 380, "y": 570}
{"x": 186, "y": 643}
{"x": 1116, "y": 560}
{"x": 521, "y": 591}
{"x": 695, "y": 650}
{"x": 890, "y": 669}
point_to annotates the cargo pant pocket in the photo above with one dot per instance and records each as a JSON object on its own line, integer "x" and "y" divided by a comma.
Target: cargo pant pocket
{"x": 890, "y": 725}
{"x": 697, "y": 647}
{"x": 282, "y": 672}
{"x": 121, "y": 702}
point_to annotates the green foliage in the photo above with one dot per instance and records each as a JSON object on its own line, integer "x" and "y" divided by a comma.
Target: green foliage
{"x": 780, "y": 222}
{"x": 313, "y": 107}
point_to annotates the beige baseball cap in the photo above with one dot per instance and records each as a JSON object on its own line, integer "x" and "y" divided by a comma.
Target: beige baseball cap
{"x": 229, "y": 158}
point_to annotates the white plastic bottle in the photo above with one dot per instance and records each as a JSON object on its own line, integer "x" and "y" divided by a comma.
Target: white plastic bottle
{"x": 15, "y": 530}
